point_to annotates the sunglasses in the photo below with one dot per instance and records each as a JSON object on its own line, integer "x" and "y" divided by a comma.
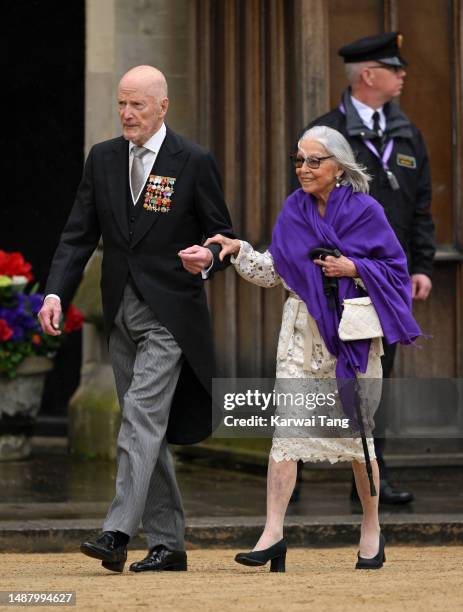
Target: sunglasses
{"x": 311, "y": 162}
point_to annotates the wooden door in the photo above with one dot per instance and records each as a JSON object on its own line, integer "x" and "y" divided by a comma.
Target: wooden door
{"x": 263, "y": 70}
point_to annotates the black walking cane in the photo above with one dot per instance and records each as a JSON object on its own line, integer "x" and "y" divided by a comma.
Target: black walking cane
{"x": 330, "y": 290}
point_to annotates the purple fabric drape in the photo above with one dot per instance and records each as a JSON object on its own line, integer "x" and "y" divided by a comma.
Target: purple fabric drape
{"x": 355, "y": 224}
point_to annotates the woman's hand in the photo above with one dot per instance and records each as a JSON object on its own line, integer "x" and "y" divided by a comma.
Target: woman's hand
{"x": 230, "y": 246}
{"x": 337, "y": 266}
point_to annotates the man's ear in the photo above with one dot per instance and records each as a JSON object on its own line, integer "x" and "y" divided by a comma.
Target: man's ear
{"x": 366, "y": 76}
{"x": 164, "y": 105}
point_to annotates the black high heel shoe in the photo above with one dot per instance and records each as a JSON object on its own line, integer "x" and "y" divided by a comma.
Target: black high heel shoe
{"x": 276, "y": 554}
{"x": 375, "y": 562}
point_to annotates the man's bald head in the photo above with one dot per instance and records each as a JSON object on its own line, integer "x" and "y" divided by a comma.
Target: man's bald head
{"x": 145, "y": 77}
{"x": 143, "y": 102}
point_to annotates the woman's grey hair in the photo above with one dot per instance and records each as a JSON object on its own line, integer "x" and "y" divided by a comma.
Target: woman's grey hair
{"x": 335, "y": 144}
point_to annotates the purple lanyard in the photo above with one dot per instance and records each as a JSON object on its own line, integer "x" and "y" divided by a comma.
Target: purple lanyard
{"x": 384, "y": 158}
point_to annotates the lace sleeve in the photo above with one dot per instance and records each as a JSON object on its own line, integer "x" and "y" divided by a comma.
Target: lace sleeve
{"x": 255, "y": 267}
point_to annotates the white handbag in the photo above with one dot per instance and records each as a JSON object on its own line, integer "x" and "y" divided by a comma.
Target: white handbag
{"x": 359, "y": 320}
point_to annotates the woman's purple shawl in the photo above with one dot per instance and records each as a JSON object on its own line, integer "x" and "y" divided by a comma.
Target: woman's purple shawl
{"x": 355, "y": 224}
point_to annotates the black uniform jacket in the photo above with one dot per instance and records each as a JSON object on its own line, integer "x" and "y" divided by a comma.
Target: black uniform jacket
{"x": 409, "y": 208}
{"x": 149, "y": 255}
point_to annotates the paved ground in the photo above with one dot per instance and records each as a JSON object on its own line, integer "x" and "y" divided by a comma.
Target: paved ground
{"x": 424, "y": 579}
{"x": 52, "y": 502}
{"x": 56, "y": 485}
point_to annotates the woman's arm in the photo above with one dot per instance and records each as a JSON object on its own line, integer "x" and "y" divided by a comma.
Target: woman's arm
{"x": 257, "y": 268}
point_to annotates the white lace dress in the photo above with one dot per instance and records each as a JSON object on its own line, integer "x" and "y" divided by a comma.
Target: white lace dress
{"x": 302, "y": 354}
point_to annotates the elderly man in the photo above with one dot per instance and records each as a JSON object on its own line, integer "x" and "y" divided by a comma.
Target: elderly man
{"x": 394, "y": 153}
{"x": 148, "y": 194}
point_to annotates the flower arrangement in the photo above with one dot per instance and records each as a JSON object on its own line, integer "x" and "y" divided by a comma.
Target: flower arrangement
{"x": 20, "y": 332}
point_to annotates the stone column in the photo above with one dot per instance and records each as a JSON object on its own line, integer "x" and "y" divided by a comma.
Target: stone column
{"x": 311, "y": 41}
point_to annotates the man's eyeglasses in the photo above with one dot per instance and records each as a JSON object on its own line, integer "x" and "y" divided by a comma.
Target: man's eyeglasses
{"x": 311, "y": 162}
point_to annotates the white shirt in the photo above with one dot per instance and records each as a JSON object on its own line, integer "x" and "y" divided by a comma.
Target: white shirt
{"x": 366, "y": 114}
{"x": 153, "y": 145}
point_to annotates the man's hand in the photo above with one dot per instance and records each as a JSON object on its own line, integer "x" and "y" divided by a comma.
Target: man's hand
{"x": 337, "y": 266}
{"x": 50, "y": 315}
{"x": 421, "y": 286}
{"x": 195, "y": 258}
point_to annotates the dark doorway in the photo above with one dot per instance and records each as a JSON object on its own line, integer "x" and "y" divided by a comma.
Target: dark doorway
{"x": 45, "y": 51}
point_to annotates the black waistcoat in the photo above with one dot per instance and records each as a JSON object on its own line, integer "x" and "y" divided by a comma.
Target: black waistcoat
{"x": 133, "y": 214}
{"x": 134, "y": 210}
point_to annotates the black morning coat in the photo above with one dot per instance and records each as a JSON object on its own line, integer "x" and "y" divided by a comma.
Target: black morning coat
{"x": 408, "y": 209}
{"x": 149, "y": 256}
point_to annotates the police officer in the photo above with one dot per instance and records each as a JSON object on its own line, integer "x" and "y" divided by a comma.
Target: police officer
{"x": 393, "y": 150}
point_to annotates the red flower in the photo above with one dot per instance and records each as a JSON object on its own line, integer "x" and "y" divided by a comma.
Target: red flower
{"x": 13, "y": 264}
{"x": 36, "y": 339}
{"x": 5, "y": 331}
{"x": 74, "y": 320}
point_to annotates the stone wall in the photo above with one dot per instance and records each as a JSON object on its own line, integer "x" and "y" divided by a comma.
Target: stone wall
{"x": 121, "y": 34}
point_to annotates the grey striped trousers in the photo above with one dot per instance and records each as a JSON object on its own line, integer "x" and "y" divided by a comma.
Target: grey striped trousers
{"x": 146, "y": 361}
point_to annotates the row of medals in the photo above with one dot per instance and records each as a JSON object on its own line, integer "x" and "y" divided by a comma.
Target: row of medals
{"x": 158, "y": 193}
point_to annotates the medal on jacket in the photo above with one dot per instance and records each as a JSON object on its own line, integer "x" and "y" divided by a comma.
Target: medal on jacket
{"x": 159, "y": 192}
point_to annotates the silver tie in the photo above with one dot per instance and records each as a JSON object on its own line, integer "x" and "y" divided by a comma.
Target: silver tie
{"x": 137, "y": 174}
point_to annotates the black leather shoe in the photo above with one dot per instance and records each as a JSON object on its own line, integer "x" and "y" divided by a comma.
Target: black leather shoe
{"x": 296, "y": 494}
{"x": 375, "y": 562}
{"x": 389, "y": 495}
{"x": 354, "y": 496}
{"x": 108, "y": 549}
{"x": 161, "y": 558}
{"x": 276, "y": 554}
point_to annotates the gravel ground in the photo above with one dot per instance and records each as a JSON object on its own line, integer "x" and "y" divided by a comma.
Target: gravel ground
{"x": 413, "y": 578}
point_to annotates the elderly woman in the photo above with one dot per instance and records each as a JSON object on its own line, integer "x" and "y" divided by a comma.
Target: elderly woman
{"x": 331, "y": 210}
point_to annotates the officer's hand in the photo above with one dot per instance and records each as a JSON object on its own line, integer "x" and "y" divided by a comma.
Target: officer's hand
{"x": 195, "y": 258}
{"x": 337, "y": 266}
{"x": 50, "y": 315}
{"x": 421, "y": 286}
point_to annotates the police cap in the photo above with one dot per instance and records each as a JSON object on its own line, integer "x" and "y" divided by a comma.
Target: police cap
{"x": 383, "y": 48}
